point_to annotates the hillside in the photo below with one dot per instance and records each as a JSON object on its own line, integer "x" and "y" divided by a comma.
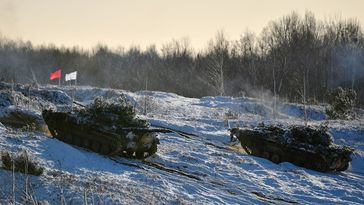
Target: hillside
{"x": 204, "y": 168}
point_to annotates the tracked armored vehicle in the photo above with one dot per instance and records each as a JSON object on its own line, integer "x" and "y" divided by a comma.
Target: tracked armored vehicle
{"x": 301, "y": 145}
{"x": 104, "y": 127}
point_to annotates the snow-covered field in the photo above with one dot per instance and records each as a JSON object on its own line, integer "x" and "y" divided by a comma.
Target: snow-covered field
{"x": 202, "y": 169}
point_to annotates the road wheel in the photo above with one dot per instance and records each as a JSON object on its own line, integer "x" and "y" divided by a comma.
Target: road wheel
{"x": 139, "y": 155}
{"x": 153, "y": 149}
{"x": 86, "y": 144}
{"x": 266, "y": 155}
{"x": 68, "y": 139}
{"x": 77, "y": 141}
{"x": 95, "y": 146}
{"x": 276, "y": 158}
{"x": 343, "y": 167}
{"x": 104, "y": 149}
{"x": 319, "y": 167}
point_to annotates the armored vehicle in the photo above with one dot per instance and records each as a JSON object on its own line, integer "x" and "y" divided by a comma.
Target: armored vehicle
{"x": 304, "y": 146}
{"x": 104, "y": 127}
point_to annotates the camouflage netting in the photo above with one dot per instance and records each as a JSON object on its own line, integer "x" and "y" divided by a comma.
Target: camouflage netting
{"x": 305, "y": 146}
{"x": 310, "y": 135}
{"x": 112, "y": 114}
{"x": 298, "y": 134}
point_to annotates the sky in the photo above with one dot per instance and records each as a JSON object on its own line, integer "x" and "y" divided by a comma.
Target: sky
{"x": 86, "y": 23}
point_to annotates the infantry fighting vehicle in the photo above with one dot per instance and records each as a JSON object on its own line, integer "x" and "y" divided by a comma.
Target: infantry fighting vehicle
{"x": 304, "y": 146}
{"x": 107, "y": 128}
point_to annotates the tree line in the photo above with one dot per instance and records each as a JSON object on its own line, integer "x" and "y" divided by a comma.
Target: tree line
{"x": 297, "y": 58}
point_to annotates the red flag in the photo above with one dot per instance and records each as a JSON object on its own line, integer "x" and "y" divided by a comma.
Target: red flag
{"x": 56, "y": 75}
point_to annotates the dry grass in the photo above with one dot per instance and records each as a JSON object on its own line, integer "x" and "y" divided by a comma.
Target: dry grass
{"x": 20, "y": 163}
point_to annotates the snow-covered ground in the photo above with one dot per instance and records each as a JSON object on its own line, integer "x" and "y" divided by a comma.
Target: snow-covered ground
{"x": 202, "y": 169}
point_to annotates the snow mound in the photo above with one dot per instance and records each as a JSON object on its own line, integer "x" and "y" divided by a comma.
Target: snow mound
{"x": 296, "y": 110}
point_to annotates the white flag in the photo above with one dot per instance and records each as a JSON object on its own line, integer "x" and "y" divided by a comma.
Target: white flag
{"x": 71, "y": 76}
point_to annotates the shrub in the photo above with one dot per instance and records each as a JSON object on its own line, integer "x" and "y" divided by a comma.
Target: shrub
{"x": 342, "y": 102}
{"x": 120, "y": 113}
{"x": 147, "y": 104}
{"x": 20, "y": 163}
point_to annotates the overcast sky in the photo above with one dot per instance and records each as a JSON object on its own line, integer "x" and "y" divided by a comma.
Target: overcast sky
{"x": 143, "y": 22}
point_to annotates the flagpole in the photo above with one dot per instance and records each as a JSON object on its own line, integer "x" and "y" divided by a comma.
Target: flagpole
{"x": 74, "y": 93}
{"x": 73, "y": 96}
{"x": 72, "y": 77}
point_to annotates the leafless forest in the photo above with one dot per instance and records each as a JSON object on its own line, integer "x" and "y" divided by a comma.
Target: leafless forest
{"x": 290, "y": 55}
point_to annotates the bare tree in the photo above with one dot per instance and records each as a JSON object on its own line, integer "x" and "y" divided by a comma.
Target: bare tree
{"x": 216, "y": 56}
